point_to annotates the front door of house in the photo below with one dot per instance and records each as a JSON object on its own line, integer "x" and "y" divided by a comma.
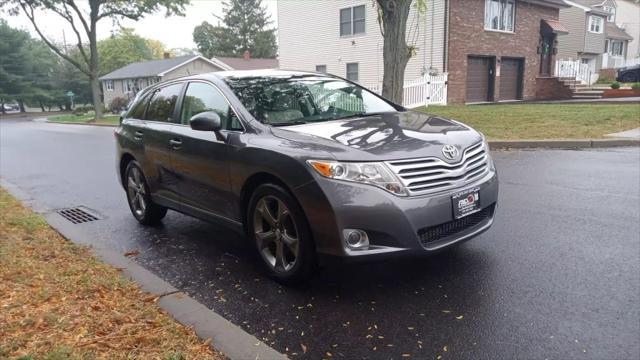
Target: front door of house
{"x": 546, "y": 47}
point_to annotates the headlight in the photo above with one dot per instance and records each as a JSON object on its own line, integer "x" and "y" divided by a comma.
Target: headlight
{"x": 372, "y": 173}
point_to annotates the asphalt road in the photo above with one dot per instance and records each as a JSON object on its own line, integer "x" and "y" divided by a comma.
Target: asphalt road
{"x": 558, "y": 275}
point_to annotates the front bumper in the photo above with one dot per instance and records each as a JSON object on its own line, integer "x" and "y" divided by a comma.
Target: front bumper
{"x": 395, "y": 225}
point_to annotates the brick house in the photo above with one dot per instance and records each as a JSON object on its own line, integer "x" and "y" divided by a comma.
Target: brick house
{"x": 504, "y": 55}
{"x": 492, "y": 50}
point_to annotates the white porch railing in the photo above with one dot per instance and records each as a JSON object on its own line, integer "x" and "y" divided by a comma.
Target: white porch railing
{"x": 423, "y": 91}
{"x": 575, "y": 69}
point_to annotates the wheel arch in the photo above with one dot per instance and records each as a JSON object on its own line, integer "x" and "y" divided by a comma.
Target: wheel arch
{"x": 125, "y": 159}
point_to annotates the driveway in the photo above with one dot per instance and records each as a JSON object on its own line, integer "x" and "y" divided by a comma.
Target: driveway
{"x": 558, "y": 275}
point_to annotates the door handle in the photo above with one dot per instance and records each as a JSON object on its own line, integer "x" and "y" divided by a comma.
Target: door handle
{"x": 175, "y": 143}
{"x": 138, "y": 135}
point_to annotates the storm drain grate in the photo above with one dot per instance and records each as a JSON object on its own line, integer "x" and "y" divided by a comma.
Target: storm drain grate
{"x": 77, "y": 215}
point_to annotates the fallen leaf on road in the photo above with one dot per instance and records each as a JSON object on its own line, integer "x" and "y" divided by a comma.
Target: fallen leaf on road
{"x": 445, "y": 349}
{"x": 132, "y": 253}
{"x": 304, "y": 348}
{"x": 459, "y": 317}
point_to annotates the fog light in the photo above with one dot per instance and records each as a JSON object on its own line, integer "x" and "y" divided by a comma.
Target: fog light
{"x": 356, "y": 239}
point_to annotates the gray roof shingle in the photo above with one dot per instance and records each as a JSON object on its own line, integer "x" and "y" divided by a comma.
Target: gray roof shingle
{"x": 146, "y": 68}
{"x": 614, "y": 32}
{"x": 249, "y": 64}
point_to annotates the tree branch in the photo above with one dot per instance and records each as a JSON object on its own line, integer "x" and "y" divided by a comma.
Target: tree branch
{"x": 74, "y": 6}
{"x": 69, "y": 18}
{"x": 30, "y": 15}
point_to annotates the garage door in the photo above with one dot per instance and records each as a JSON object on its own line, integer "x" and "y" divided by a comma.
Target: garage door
{"x": 511, "y": 79}
{"x": 478, "y": 79}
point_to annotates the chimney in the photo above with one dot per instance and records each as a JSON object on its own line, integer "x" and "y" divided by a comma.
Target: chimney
{"x": 166, "y": 55}
{"x": 246, "y": 55}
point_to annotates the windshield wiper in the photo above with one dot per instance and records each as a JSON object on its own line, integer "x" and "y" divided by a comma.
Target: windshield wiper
{"x": 357, "y": 115}
{"x": 297, "y": 122}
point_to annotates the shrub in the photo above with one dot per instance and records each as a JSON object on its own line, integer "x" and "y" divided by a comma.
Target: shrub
{"x": 615, "y": 85}
{"x": 82, "y": 110}
{"x": 636, "y": 86}
{"x": 117, "y": 105}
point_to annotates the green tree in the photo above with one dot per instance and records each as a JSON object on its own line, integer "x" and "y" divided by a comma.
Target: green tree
{"x": 245, "y": 28}
{"x": 125, "y": 47}
{"x": 28, "y": 69}
{"x": 83, "y": 18}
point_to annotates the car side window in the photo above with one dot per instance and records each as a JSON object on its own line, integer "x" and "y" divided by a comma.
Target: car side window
{"x": 137, "y": 110}
{"x": 201, "y": 97}
{"x": 162, "y": 104}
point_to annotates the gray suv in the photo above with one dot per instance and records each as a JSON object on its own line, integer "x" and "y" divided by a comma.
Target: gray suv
{"x": 309, "y": 166}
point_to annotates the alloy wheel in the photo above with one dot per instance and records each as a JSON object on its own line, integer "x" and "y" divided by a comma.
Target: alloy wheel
{"x": 276, "y": 234}
{"x": 136, "y": 190}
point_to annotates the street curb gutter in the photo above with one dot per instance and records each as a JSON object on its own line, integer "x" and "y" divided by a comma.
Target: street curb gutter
{"x": 562, "y": 144}
{"x": 226, "y": 337}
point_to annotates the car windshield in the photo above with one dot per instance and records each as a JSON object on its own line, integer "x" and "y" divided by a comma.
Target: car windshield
{"x": 293, "y": 100}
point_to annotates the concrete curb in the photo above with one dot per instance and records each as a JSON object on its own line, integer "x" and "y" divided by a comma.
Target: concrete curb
{"x": 562, "y": 144}
{"x": 226, "y": 337}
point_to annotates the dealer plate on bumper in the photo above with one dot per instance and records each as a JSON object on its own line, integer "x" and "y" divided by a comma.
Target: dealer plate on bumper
{"x": 466, "y": 203}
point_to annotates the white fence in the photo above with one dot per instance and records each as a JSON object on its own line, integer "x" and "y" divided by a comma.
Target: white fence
{"x": 575, "y": 69}
{"x": 424, "y": 91}
{"x": 616, "y": 62}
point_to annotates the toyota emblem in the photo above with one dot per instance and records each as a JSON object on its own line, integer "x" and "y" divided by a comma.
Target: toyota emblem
{"x": 450, "y": 152}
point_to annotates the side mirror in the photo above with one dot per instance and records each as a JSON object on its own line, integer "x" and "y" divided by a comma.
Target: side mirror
{"x": 205, "y": 121}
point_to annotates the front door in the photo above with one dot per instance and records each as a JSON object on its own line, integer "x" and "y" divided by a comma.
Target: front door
{"x": 479, "y": 79}
{"x": 546, "y": 46}
{"x": 511, "y": 79}
{"x": 201, "y": 160}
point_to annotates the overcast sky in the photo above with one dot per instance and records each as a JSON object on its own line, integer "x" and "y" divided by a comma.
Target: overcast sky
{"x": 174, "y": 32}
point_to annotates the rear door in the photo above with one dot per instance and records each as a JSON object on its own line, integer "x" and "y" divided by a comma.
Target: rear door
{"x": 160, "y": 119}
{"x": 201, "y": 163}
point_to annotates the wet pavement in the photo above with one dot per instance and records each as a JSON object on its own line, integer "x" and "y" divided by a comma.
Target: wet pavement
{"x": 558, "y": 275}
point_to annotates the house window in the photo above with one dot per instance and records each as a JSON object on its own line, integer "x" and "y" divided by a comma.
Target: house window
{"x": 595, "y": 24}
{"x": 612, "y": 13}
{"x": 321, "y": 68}
{"x": 616, "y": 47}
{"x": 352, "y": 20}
{"x": 108, "y": 85}
{"x": 499, "y": 15}
{"x": 352, "y": 71}
{"x": 128, "y": 86}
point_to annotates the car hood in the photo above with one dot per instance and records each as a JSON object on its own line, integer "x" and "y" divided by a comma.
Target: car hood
{"x": 388, "y": 136}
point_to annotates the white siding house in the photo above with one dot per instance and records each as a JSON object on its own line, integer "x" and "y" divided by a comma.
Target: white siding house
{"x": 343, "y": 38}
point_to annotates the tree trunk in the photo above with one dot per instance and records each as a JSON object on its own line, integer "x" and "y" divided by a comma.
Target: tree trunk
{"x": 21, "y": 105}
{"x": 93, "y": 63}
{"x": 42, "y": 106}
{"x": 396, "y": 53}
{"x": 2, "y": 111}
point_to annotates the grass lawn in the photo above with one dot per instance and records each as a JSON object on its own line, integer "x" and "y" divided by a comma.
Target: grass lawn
{"x": 70, "y": 118}
{"x": 59, "y": 302}
{"x": 543, "y": 121}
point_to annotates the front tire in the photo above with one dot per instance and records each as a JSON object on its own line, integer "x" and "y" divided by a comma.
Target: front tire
{"x": 139, "y": 197}
{"x": 281, "y": 233}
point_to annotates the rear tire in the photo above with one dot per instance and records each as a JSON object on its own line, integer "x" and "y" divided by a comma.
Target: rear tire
{"x": 279, "y": 228}
{"x": 139, "y": 196}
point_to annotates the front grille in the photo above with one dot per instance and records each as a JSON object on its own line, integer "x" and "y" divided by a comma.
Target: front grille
{"x": 438, "y": 232}
{"x": 429, "y": 175}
